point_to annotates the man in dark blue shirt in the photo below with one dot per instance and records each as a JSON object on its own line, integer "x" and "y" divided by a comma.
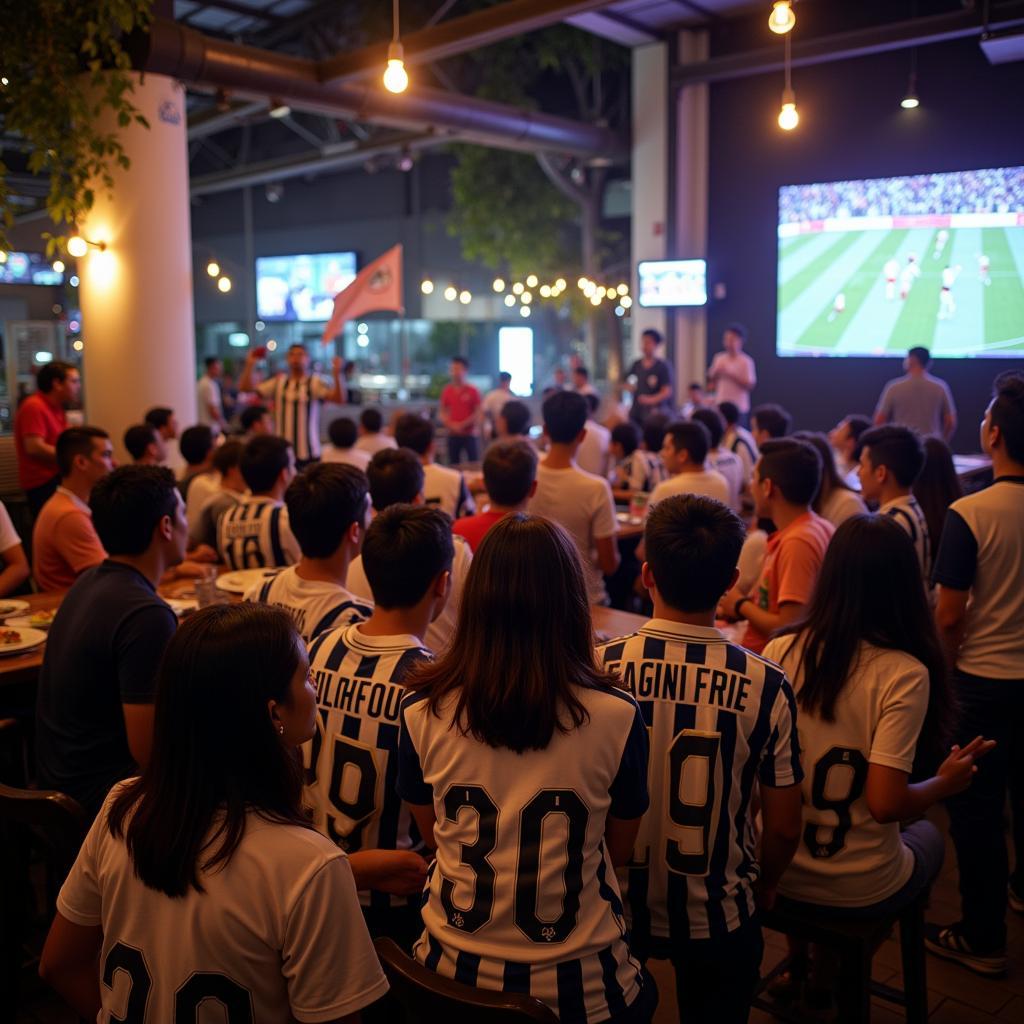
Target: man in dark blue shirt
{"x": 94, "y": 709}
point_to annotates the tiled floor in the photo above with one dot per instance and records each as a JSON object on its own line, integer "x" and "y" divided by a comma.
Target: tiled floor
{"x": 956, "y": 996}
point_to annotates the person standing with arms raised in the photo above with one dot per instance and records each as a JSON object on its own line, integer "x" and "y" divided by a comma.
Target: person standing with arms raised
{"x": 650, "y": 380}
{"x": 732, "y": 371}
{"x": 297, "y": 397}
{"x": 918, "y": 400}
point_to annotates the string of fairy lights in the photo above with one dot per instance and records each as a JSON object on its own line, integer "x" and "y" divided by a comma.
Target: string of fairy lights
{"x": 525, "y": 293}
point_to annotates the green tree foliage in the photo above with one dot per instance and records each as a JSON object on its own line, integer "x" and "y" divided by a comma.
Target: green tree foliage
{"x": 64, "y": 65}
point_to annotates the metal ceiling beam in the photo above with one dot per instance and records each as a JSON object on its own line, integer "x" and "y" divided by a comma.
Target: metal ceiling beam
{"x": 938, "y": 28}
{"x": 214, "y": 121}
{"x": 198, "y": 60}
{"x": 459, "y": 35}
{"x": 326, "y": 160}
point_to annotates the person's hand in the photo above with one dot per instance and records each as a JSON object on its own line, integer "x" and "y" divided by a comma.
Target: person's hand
{"x": 764, "y": 897}
{"x": 336, "y": 364}
{"x": 202, "y": 553}
{"x": 957, "y": 771}
{"x": 190, "y": 570}
{"x": 399, "y": 872}
{"x": 727, "y": 605}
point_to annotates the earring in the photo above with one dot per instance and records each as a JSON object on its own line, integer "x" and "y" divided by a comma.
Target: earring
{"x": 280, "y": 729}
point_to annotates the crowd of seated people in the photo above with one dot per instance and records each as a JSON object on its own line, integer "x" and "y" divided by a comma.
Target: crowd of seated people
{"x": 408, "y": 728}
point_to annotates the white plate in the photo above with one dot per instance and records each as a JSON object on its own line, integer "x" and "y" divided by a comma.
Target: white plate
{"x": 30, "y": 638}
{"x": 179, "y": 607}
{"x": 12, "y": 607}
{"x": 239, "y": 581}
{"x": 20, "y": 622}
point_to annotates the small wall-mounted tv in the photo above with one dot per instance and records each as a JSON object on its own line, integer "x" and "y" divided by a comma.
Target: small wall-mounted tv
{"x": 302, "y": 287}
{"x": 27, "y": 268}
{"x": 673, "y": 283}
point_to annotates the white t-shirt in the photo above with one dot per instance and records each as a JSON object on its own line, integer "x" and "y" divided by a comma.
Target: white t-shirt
{"x": 706, "y": 482}
{"x": 208, "y": 395}
{"x": 726, "y": 389}
{"x": 446, "y": 489}
{"x": 905, "y": 511}
{"x": 202, "y": 488}
{"x": 440, "y": 632}
{"x": 592, "y": 454}
{"x": 752, "y": 556}
{"x": 346, "y": 456}
{"x": 255, "y": 534}
{"x": 492, "y": 404}
{"x": 728, "y": 464}
{"x": 314, "y": 605}
{"x": 278, "y": 929}
{"x": 373, "y": 443}
{"x": 8, "y": 534}
{"x": 845, "y": 857}
{"x": 581, "y": 504}
{"x": 841, "y": 505}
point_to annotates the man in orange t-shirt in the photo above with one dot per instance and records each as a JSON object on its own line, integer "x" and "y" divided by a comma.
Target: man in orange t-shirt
{"x": 786, "y": 479}
{"x": 460, "y": 413}
{"x": 64, "y": 541}
{"x": 510, "y": 476}
{"x": 37, "y": 425}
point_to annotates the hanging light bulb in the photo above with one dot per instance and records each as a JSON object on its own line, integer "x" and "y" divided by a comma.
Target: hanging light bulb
{"x": 498, "y": 285}
{"x": 451, "y": 293}
{"x": 396, "y": 78}
{"x": 58, "y": 266}
{"x": 77, "y": 246}
{"x": 782, "y": 19}
{"x": 789, "y": 117}
{"x": 910, "y": 100}
{"x": 213, "y": 268}
{"x": 427, "y": 287}
{"x": 510, "y": 300}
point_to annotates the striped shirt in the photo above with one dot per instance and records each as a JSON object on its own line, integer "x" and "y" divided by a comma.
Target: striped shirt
{"x": 523, "y": 895}
{"x": 352, "y": 761}
{"x": 314, "y": 605}
{"x": 720, "y": 719}
{"x": 254, "y": 534}
{"x": 297, "y": 402}
{"x": 907, "y": 512}
{"x": 639, "y": 471}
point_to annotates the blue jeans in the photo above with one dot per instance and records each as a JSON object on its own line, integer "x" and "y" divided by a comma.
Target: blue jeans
{"x": 462, "y": 443}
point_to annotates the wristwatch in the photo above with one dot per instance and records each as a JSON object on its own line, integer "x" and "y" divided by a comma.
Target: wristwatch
{"x": 737, "y": 606}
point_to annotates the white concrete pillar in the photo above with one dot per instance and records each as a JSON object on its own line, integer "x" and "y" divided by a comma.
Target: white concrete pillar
{"x": 136, "y": 295}
{"x": 650, "y": 176}
{"x": 691, "y": 207}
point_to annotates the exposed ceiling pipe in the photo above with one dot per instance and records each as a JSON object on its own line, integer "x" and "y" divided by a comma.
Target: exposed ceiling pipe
{"x": 327, "y": 160}
{"x": 210, "y": 123}
{"x": 179, "y": 52}
{"x": 459, "y": 35}
{"x": 938, "y": 28}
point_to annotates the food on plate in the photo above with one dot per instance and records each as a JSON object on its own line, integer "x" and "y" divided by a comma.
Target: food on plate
{"x": 9, "y": 636}
{"x": 42, "y": 618}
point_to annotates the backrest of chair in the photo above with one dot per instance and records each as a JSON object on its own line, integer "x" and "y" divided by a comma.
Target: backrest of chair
{"x": 57, "y": 820}
{"x": 428, "y": 997}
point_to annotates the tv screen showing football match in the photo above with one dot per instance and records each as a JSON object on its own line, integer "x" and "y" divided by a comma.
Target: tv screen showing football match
{"x": 302, "y": 287}
{"x": 875, "y": 267}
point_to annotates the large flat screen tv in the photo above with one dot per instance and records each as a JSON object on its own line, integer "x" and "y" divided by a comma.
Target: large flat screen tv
{"x": 302, "y": 287}
{"x": 673, "y": 283}
{"x": 874, "y": 267}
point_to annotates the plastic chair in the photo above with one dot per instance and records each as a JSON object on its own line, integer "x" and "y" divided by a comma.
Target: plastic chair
{"x": 428, "y": 998}
{"x": 856, "y": 943}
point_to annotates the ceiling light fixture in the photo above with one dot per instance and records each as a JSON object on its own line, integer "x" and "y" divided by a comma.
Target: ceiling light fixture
{"x": 789, "y": 117}
{"x": 782, "y": 19}
{"x": 396, "y": 78}
{"x": 278, "y": 109}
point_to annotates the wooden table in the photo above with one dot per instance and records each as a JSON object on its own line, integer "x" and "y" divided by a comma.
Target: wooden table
{"x": 611, "y": 622}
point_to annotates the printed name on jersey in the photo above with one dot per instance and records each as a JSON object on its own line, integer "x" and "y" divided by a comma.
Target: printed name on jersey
{"x": 694, "y": 684}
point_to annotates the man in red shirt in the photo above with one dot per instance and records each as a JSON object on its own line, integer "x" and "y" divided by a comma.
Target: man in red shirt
{"x": 510, "y": 475}
{"x": 38, "y": 423}
{"x": 460, "y": 413}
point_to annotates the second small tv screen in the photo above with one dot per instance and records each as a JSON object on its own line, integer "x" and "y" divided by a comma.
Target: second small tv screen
{"x": 673, "y": 283}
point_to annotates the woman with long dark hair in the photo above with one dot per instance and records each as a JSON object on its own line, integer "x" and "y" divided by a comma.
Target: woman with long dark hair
{"x": 527, "y": 767}
{"x": 835, "y": 501}
{"x": 870, "y": 682}
{"x": 202, "y": 878}
{"x": 936, "y": 488}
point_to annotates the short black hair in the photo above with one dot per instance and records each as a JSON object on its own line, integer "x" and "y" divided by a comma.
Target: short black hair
{"x": 414, "y": 432}
{"x": 505, "y": 377}
{"x": 251, "y": 415}
{"x": 296, "y": 344}
{"x": 75, "y": 441}
{"x": 652, "y": 333}
{"x": 626, "y": 436}
{"x": 921, "y": 354}
{"x": 50, "y": 374}
{"x": 461, "y": 360}
{"x": 691, "y": 436}
{"x": 371, "y": 420}
{"x": 793, "y": 466}
{"x": 730, "y": 412}
{"x": 517, "y": 416}
{"x": 262, "y": 461}
{"x": 772, "y": 418}
{"x": 712, "y": 420}
{"x": 128, "y": 504}
{"x": 692, "y": 544}
{"x": 396, "y": 477}
{"x": 1008, "y": 411}
{"x": 858, "y": 424}
{"x": 323, "y": 502}
{"x": 210, "y": 360}
{"x": 510, "y": 467}
{"x": 593, "y": 402}
{"x": 138, "y": 438}
{"x": 195, "y": 444}
{"x": 738, "y": 329}
{"x": 654, "y": 431}
{"x": 695, "y": 384}
{"x": 159, "y": 416}
{"x": 582, "y": 371}
{"x": 404, "y": 551}
{"x": 343, "y": 432}
{"x": 227, "y": 456}
{"x": 565, "y": 415}
{"x": 897, "y": 448}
